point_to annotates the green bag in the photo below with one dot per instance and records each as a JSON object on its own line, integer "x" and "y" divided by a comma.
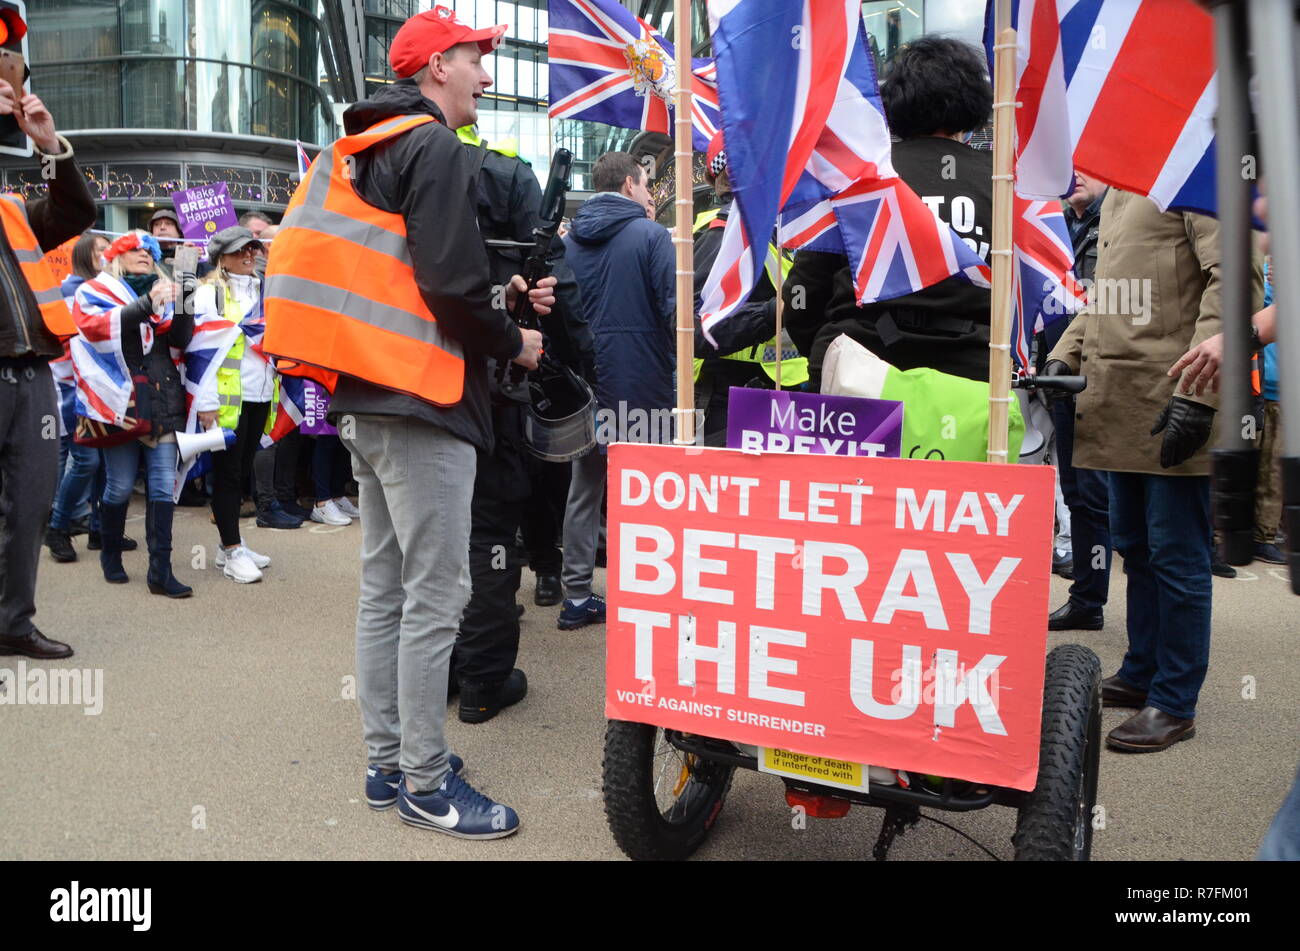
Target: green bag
{"x": 944, "y": 416}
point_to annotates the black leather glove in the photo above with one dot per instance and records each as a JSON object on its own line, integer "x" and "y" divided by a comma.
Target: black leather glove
{"x": 1056, "y": 368}
{"x": 1186, "y": 425}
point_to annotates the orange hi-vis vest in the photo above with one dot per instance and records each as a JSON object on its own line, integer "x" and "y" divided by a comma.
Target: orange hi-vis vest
{"x": 31, "y": 259}
{"x": 341, "y": 297}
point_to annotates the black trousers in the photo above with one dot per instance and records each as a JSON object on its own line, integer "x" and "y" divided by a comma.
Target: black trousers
{"x": 489, "y": 632}
{"x": 543, "y": 525}
{"x": 29, "y": 474}
{"x": 231, "y": 469}
{"x": 275, "y": 470}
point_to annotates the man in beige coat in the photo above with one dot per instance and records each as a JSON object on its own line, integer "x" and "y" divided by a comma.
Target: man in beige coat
{"x": 1156, "y": 295}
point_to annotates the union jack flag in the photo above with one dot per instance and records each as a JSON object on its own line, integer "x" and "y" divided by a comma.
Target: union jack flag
{"x": 608, "y": 65}
{"x": 304, "y": 163}
{"x": 104, "y": 383}
{"x": 1096, "y": 77}
{"x": 65, "y": 385}
{"x": 214, "y": 334}
{"x": 288, "y": 412}
{"x": 806, "y": 137}
{"x": 1042, "y": 278}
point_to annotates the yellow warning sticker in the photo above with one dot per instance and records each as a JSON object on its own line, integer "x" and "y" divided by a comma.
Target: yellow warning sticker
{"x": 816, "y": 769}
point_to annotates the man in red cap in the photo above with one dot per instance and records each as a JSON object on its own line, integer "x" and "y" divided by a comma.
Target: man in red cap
{"x": 395, "y": 198}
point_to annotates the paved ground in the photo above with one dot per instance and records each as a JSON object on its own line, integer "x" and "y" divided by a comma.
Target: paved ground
{"x": 225, "y": 733}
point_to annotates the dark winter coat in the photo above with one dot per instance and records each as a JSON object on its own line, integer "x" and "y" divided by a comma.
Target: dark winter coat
{"x": 625, "y": 267}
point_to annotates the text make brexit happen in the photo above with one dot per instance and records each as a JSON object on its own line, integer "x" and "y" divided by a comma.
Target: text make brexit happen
{"x": 882, "y": 611}
{"x": 204, "y": 210}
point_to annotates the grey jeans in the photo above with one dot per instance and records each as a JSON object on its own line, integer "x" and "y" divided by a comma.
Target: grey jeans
{"x": 582, "y": 523}
{"x": 417, "y": 482}
{"x": 29, "y": 474}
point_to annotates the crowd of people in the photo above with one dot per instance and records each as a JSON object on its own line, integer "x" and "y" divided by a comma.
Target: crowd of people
{"x": 431, "y": 425}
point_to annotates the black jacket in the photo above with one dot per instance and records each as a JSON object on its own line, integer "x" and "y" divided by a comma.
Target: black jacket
{"x": 66, "y": 212}
{"x": 509, "y": 201}
{"x": 165, "y": 389}
{"x": 944, "y": 326}
{"x": 427, "y": 176}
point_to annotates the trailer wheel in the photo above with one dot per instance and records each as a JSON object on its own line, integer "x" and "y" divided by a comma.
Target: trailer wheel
{"x": 659, "y": 801}
{"x": 1055, "y": 821}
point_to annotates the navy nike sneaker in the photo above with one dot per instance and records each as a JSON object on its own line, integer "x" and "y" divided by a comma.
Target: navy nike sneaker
{"x": 381, "y": 788}
{"x": 574, "y": 616}
{"x": 458, "y": 809}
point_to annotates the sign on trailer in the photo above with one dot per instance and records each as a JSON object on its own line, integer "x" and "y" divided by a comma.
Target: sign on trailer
{"x": 871, "y": 610}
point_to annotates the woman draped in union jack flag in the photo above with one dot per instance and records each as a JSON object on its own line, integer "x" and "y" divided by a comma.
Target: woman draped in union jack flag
{"x": 131, "y": 341}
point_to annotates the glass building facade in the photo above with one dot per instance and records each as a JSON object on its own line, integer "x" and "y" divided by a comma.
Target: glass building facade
{"x": 160, "y": 95}
{"x": 201, "y": 65}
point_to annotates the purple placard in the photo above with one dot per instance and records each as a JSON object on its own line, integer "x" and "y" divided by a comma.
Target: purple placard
{"x": 315, "y": 404}
{"x": 790, "y": 421}
{"x": 204, "y": 210}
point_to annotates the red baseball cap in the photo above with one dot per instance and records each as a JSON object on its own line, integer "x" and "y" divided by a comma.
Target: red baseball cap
{"x": 436, "y": 31}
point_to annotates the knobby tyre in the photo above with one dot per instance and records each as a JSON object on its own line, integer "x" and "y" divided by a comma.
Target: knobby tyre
{"x": 1055, "y": 821}
{"x": 660, "y": 802}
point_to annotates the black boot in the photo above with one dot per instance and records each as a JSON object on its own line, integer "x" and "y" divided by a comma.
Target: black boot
{"x": 481, "y": 702}
{"x": 112, "y": 521}
{"x": 60, "y": 545}
{"x": 158, "y": 527}
{"x": 96, "y": 542}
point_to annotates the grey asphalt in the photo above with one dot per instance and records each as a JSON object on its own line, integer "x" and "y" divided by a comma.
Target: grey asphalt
{"x": 225, "y": 732}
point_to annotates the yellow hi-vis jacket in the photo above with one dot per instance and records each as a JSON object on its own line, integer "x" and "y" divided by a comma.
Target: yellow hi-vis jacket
{"x": 230, "y": 391}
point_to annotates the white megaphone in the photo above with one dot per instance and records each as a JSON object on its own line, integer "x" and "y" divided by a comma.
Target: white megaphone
{"x": 215, "y": 439}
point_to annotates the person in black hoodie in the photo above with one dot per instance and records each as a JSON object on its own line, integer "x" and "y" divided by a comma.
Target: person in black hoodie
{"x": 29, "y": 459}
{"x": 935, "y": 94}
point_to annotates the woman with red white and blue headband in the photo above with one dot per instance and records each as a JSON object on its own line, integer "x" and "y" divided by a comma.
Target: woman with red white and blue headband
{"x": 131, "y": 341}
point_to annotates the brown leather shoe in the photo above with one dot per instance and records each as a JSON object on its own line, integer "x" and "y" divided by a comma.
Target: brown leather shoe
{"x": 35, "y": 645}
{"x": 1116, "y": 693}
{"x": 1150, "y": 731}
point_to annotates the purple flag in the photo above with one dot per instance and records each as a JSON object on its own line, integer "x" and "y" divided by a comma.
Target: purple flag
{"x": 204, "y": 210}
{"x": 315, "y": 404}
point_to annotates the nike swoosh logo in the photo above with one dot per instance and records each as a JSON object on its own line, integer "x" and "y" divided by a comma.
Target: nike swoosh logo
{"x": 448, "y": 821}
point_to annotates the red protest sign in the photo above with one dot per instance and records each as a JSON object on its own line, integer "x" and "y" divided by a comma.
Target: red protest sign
{"x": 882, "y": 611}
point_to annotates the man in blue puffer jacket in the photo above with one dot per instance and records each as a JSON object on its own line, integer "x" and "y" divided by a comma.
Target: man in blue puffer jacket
{"x": 625, "y": 267}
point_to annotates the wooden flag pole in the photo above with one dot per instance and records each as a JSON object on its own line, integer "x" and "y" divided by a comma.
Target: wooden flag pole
{"x": 780, "y": 307}
{"x": 1004, "y": 117}
{"x": 682, "y": 238}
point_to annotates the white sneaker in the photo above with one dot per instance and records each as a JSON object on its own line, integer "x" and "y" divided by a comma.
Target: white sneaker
{"x": 262, "y": 561}
{"x": 239, "y": 567}
{"x": 329, "y": 514}
{"x": 346, "y": 507}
